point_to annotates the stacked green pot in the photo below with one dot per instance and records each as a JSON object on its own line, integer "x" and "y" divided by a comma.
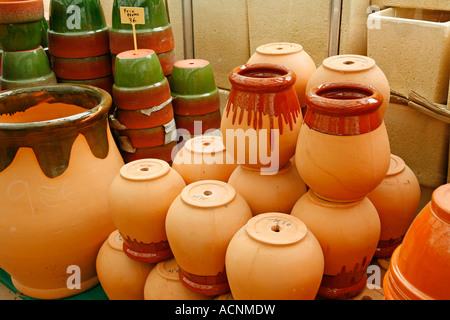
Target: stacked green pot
{"x": 196, "y": 100}
{"x": 78, "y": 42}
{"x": 24, "y": 62}
{"x": 156, "y": 34}
{"x": 143, "y": 120}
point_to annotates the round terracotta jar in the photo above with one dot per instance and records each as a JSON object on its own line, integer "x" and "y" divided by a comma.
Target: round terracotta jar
{"x": 291, "y": 55}
{"x": 419, "y": 265}
{"x": 396, "y": 199}
{"x": 353, "y": 68}
{"x": 139, "y": 198}
{"x": 204, "y": 158}
{"x": 57, "y": 161}
{"x": 275, "y": 191}
{"x": 262, "y": 117}
{"x": 200, "y": 223}
{"x": 343, "y": 150}
{"x": 348, "y": 233}
{"x": 164, "y": 283}
{"x": 121, "y": 278}
{"x": 274, "y": 257}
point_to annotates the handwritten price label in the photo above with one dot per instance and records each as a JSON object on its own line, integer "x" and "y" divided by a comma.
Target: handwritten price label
{"x": 132, "y": 15}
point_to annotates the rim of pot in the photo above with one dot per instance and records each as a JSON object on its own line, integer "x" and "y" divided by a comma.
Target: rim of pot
{"x": 96, "y": 101}
{"x": 262, "y": 77}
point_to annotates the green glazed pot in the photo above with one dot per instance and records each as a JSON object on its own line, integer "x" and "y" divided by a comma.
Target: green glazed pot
{"x": 26, "y": 68}
{"x": 154, "y": 11}
{"x": 21, "y": 36}
{"x": 193, "y": 87}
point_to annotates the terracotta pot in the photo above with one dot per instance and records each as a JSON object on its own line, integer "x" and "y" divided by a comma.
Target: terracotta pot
{"x": 145, "y": 118}
{"x": 196, "y": 125}
{"x": 77, "y": 33}
{"x": 165, "y": 152}
{"x": 193, "y": 88}
{"x": 343, "y": 150}
{"x": 164, "y": 284}
{"x": 82, "y": 69}
{"x": 204, "y": 158}
{"x": 155, "y": 34}
{"x": 396, "y": 199}
{"x": 121, "y": 278}
{"x": 167, "y": 60}
{"x": 353, "y": 68}
{"x": 200, "y": 223}
{"x": 262, "y": 112}
{"x": 60, "y": 134}
{"x": 348, "y": 240}
{"x": 104, "y": 83}
{"x": 291, "y": 55}
{"x": 139, "y": 198}
{"x": 275, "y": 191}
{"x": 26, "y": 68}
{"x": 21, "y": 25}
{"x": 419, "y": 266}
{"x": 274, "y": 257}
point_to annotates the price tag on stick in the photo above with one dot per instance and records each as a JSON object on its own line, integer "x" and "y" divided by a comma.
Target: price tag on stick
{"x": 133, "y": 16}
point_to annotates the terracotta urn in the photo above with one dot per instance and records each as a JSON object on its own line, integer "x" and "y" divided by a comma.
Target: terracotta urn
{"x": 204, "y": 158}
{"x": 57, "y": 161}
{"x": 121, "y": 278}
{"x": 139, "y": 198}
{"x": 83, "y": 68}
{"x": 419, "y": 266}
{"x": 164, "y": 283}
{"x": 353, "y": 68}
{"x": 348, "y": 233}
{"x": 200, "y": 223}
{"x": 21, "y": 24}
{"x": 274, "y": 257}
{"x": 262, "y": 117}
{"x": 291, "y": 55}
{"x": 26, "y": 68}
{"x": 343, "y": 150}
{"x": 396, "y": 199}
{"x": 275, "y": 192}
{"x": 77, "y": 30}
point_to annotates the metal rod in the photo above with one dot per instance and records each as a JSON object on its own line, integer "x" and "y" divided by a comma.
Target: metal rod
{"x": 188, "y": 29}
{"x": 334, "y": 26}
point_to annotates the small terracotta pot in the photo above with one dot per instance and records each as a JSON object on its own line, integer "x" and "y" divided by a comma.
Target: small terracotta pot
{"x": 195, "y": 125}
{"x": 396, "y": 199}
{"x": 139, "y": 198}
{"x": 274, "y": 257}
{"x": 348, "y": 239}
{"x": 121, "y": 278}
{"x": 13, "y": 12}
{"x": 104, "y": 83}
{"x": 200, "y": 223}
{"x": 193, "y": 87}
{"x": 26, "y": 68}
{"x": 204, "y": 158}
{"x": 263, "y": 111}
{"x": 419, "y": 266}
{"x": 165, "y": 152}
{"x": 145, "y": 118}
{"x": 291, "y": 55}
{"x": 164, "y": 284}
{"x": 82, "y": 69}
{"x": 353, "y": 68}
{"x": 276, "y": 191}
{"x": 343, "y": 150}
{"x": 167, "y": 60}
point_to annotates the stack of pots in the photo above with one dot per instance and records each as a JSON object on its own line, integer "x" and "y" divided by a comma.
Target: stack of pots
{"x": 342, "y": 154}
{"x": 260, "y": 125}
{"x": 24, "y": 61}
{"x": 156, "y": 34}
{"x": 196, "y": 100}
{"x": 143, "y": 120}
{"x": 78, "y": 43}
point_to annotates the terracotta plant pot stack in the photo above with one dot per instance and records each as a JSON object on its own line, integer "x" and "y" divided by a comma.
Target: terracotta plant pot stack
{"x": 196, "y": 100}
{"x": 22, "y": 38}
{"x": 156, "y": 34}
{"x": 78, "y": 43}
{"x": 343, "y": 154}
{"x": 143, "y": 120}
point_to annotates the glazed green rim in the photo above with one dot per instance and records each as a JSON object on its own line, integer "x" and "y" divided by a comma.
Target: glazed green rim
{"x": 47, "y": 79}
{"x": 16, "y": 64}
{"x": 80, "y": 33}
{"x": 21, "y": 36}
{"x": 187, "y": 81}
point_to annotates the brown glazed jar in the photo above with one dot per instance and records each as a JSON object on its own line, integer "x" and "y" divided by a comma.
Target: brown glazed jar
{"x": 262, "y": 117}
